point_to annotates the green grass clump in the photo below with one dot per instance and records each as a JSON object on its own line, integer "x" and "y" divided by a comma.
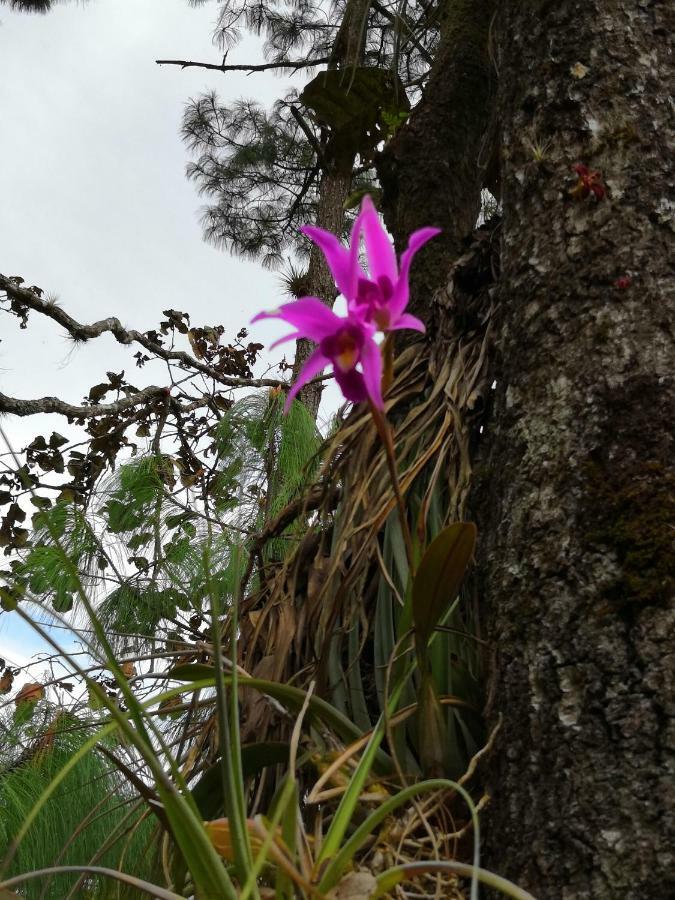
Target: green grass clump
{"x": 90, "y": 809}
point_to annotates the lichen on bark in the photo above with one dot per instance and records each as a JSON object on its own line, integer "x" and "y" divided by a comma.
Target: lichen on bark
{"x": 575, "y": 505}
{"x": 630, "y": 506}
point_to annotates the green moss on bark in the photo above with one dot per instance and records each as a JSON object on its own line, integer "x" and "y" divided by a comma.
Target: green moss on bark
{"x": 635, "y": 518}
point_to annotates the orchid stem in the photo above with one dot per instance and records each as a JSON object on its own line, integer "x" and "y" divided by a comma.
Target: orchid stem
{"x": 385, "y": 433}
{"x": 388, "y": 362}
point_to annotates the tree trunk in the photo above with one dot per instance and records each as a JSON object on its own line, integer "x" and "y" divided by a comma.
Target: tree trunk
{"x": 433, "y": 169}
{"x": 576, "y": 488}
{"x": 334, "y": 189}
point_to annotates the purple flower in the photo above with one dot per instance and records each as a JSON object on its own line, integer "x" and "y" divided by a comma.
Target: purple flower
{"x": 344, "y": 343}
{"x": 375, "y": 302}
{"x": 378, "y": 299}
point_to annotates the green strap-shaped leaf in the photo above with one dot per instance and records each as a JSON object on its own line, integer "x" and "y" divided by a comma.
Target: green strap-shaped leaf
{"x": 291, "y": 698}
{"x": 439, "y": 577}
{"x": 208, "y": 792}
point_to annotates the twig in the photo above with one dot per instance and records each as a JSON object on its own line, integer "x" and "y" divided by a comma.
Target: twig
{"x": 309, "y": 179}
{"x": 308, "y": 502}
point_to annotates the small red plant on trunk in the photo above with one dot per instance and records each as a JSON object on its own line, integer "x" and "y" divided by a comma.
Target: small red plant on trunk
{"x": 590, "y": 182}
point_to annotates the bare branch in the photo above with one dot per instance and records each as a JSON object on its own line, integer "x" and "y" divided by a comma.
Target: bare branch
{"x": 309, "y": 178}
{"x": 54, "y": 405}
{"x": 262, "y": 67}
{"x": 124, "y": 336}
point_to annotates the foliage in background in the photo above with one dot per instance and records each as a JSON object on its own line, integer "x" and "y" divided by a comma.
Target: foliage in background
{"x": 260, "y": 170}
{"x": 94, "y": 814}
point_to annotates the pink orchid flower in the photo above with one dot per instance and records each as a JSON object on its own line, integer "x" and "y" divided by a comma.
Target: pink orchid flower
{"x": 375, "y": 302}
{"x": 344, "y": 343}
{"x": 379, "y": 298}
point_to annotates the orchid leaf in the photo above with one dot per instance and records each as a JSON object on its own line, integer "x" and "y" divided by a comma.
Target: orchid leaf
{"x": 291, "y": 698}
{"x": 208, "y": 792}
{"x": 433, "y": 734}
{"x": 439, "y": 577}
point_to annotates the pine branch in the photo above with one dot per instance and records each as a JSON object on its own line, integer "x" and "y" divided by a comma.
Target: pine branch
{"x": 309, "y": 134}
{"x": 261, "y": 67}
{"x": 397, "y": 19}
{"x": 113, "y": 325}
{"x": 311, "y": 175}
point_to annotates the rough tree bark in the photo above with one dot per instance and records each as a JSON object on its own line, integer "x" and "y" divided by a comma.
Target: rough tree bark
{"x": 576, "y": 498}
{"x": 433, "y": 169}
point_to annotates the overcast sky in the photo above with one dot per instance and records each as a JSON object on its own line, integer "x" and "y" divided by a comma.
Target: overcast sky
{"x": 94, "y": 205}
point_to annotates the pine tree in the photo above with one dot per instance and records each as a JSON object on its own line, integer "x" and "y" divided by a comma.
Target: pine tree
{"x": 269, "y": 172}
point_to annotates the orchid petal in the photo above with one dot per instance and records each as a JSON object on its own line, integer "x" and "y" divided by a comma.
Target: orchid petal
{"x": 408, "y": 321}
{"x": 357, "y": 224}
{"x": 371, "y": 363}
{"x": 352, "y": 385}
{"x": 312, "y": 318}
{"x": 342, "y": 261}
{"x": 354, "y": 248}
{"x": 417, "y": 240}
{"x": 359, "y": 312}
{"x": 359, "y": 315}
{"x": 289, "y": 337}
{"x": 375, "y": 301}
{"x": 266, "y": 314}
{"x": 420, "y": 237}
{"x": 379, "y": 249}
{"x": 316, "y": 362}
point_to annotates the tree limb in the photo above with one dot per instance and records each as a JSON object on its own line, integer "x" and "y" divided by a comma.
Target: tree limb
{"x": 112, "y": 324}
{"x": 262, "y": 67}
{"x": 318, "y": 149}
{"x": 16, "y": 407}
{"x": 309, "y": 178}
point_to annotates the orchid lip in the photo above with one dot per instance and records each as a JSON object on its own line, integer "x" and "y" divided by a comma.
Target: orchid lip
{"x": 382, "y": 319}
{"x": 347, "y": 359}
